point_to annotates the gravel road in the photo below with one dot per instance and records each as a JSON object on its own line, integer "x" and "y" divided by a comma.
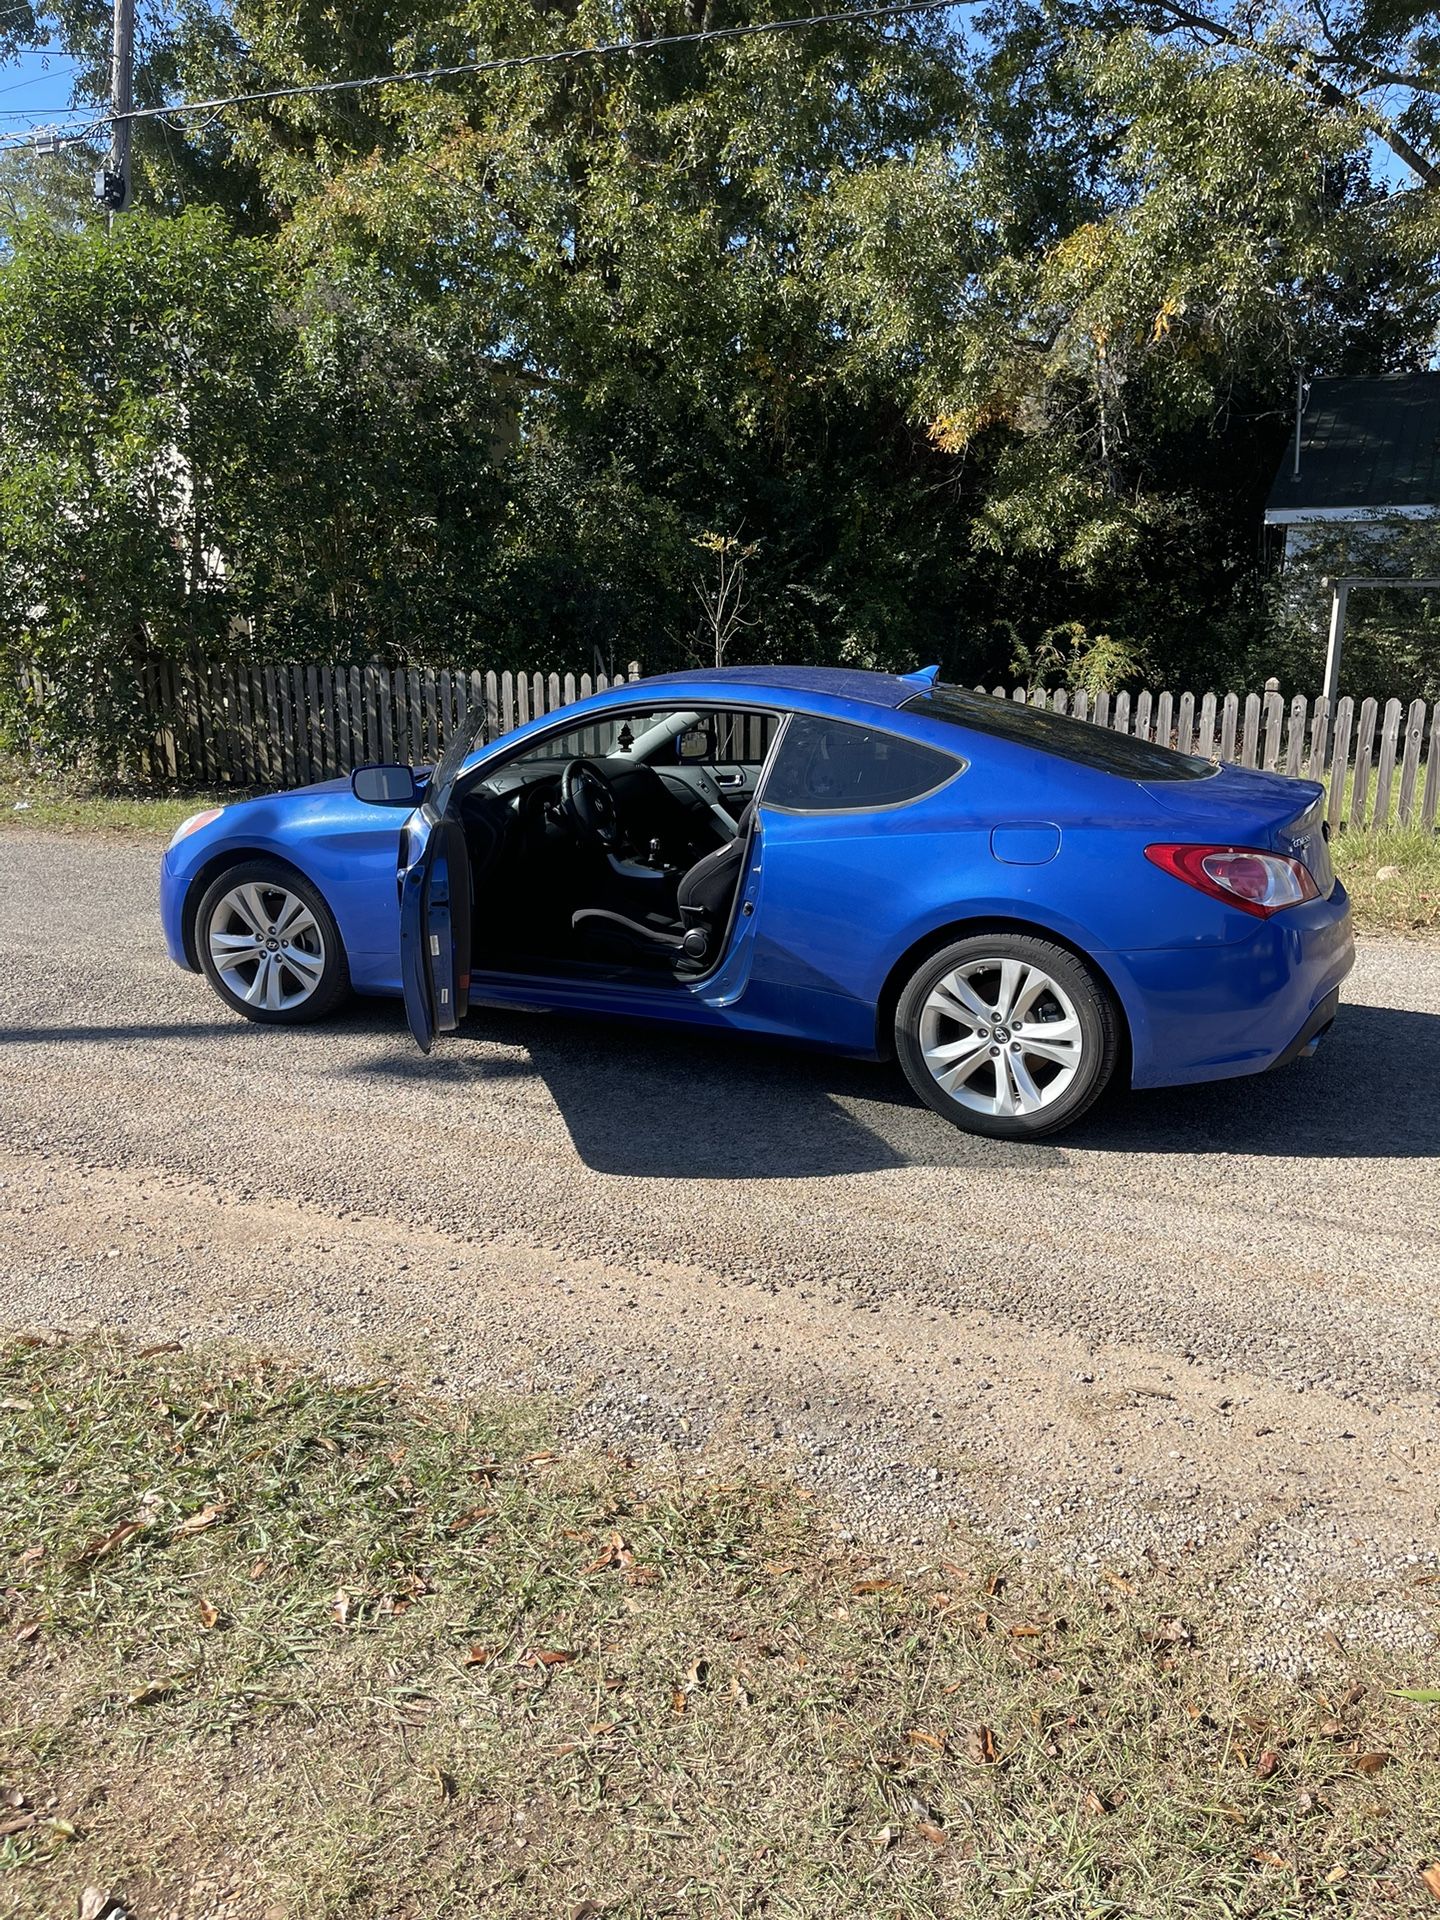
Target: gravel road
{"x": 1203, "y": 1326}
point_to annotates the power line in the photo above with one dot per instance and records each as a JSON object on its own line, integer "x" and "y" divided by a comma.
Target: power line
{"x": 512, "y": 62}
{"x": 55, "y": 135}
{"x": 36, "y": 79}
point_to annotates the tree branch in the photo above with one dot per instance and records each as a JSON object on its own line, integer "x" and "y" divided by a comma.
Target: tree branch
{"x": 1299, "y": 63}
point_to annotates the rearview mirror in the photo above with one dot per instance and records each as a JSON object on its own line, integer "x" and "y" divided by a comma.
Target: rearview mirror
{"x": 385, "y": 786}
{"x": 693, "y": 747}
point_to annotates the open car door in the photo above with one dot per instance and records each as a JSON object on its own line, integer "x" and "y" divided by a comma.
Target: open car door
{"x": 435, "y": 900}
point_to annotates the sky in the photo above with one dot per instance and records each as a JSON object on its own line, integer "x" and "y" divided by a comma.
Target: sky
{"x": 34, "y": 86}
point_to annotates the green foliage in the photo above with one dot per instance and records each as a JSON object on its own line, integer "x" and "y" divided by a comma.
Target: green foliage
{"x": 974, "y": 339}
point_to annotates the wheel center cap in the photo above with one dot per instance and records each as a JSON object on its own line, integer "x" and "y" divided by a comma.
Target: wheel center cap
{"x": 1002, "y": 1034}
{"x": 273, "y": 946}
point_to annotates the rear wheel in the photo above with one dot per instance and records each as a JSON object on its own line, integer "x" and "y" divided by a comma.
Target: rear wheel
{"x": 270, "y": 946}
{"x": 1006, "y": 1034}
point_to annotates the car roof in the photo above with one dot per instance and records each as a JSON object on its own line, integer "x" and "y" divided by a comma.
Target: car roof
{"x": 887, "y": 690}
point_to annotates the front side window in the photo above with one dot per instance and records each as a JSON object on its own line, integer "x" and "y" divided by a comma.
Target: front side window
{"x": 829, "y": 766}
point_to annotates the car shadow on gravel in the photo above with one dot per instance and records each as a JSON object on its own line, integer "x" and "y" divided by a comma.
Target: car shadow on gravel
{"x": 645, "y": 1103}
{"x": 1372, "y": 1092}
{"x": 649, "y": 1104}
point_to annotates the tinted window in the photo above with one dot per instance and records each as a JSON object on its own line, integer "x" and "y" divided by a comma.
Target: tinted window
{"x": 1056, "y": 733}
{"x": 824, "y": 766}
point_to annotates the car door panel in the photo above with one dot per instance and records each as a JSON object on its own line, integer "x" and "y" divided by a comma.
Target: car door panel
{"x": 435, "y": 902}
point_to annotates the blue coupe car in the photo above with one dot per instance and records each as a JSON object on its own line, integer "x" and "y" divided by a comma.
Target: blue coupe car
{"x": 1017, "y": 905}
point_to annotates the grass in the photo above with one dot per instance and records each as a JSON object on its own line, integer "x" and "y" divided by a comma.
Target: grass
{"x": 79, "y": 806}
{"x": 1407, "y": 899}
{"x": 361, "y": 1654}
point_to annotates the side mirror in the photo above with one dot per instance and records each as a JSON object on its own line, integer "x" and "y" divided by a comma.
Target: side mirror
{"x": 694, "y": 747}
{"x": 385, "y": 786}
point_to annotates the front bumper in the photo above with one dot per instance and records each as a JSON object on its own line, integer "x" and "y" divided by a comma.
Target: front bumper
{"x": 174, "y": 885}
{"x": 1216, "y": 1011}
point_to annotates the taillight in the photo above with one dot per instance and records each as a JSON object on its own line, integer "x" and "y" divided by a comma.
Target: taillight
{"x": 1244, "y": 877}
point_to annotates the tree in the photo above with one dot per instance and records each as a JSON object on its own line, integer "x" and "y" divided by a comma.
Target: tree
{"x": 979, "y": 340}
{"x": 139, "y": 431}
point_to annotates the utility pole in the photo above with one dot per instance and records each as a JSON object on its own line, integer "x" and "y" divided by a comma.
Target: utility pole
{"x": 112, "y": 185}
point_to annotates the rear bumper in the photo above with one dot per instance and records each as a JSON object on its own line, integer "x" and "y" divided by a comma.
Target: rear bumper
{"x": 1308, "y": 1038}
{"x": 1214, "y": 1012}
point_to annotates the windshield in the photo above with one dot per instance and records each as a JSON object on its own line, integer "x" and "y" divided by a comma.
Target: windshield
{"x": 1075, "y": 740}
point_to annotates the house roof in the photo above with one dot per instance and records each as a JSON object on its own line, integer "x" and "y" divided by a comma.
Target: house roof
{"x": 1364, "y": 444}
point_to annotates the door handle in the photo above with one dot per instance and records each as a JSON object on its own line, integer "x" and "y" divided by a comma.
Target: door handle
{"x": 729, "y": 779}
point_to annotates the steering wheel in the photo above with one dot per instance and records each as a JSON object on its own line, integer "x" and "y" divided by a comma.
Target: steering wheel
{"x": 588, "y": 802}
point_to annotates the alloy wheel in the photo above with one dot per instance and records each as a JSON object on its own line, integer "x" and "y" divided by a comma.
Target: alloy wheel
{"x": 1001, "y": 1036}
{"x": 267, "y": 946}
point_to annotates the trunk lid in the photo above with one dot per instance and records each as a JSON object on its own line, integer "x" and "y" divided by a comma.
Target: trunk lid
{"x": 1271, "y": 811}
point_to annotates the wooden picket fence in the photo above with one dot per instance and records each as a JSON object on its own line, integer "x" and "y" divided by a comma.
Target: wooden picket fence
{"x": 218, "y": 723}
{"x": 232, "y": 722}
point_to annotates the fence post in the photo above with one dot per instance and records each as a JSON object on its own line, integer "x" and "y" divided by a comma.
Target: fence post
{"x": 1430, "y": 801}
{"x": 1410, "y": 765}
{"x": 1274, "y": 708}
{"x": 1229, "y": 721}
{"x": 1364, "y": 748}
{"x": 1340, "y": 764}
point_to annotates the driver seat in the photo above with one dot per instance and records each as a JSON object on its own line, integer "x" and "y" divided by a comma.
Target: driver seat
{"x": 702, "y": 900}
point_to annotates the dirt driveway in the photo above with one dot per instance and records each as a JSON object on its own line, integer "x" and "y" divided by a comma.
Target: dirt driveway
{"x": 1206, "y": 1324}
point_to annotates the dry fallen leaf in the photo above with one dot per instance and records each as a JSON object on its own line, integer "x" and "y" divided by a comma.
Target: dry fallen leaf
{"x": 209, "y": 1613}
{"x": 97, "y": 1549}
{"x": 17, "y": 1823}
{"x": 1268, "y": 1761}
{"x": 679, "y": 1700}
{"x": 340, "y": 1608}
{"x": 1430, "y": 1877}
{"x": 1370, "y": 1762}
{"x": 545, "y": 1657}
{"x": 918, "y": 1738}
{"x": 478, "y": 1656}
{"x": 935, "y": 1835}
{"x": 1273, "y": 1860}
{"x": 980, "y": 1746}
{"x": 95, "y": 1904}
{"x": 885, "y": 1839}
{"x": 17, "y": 1406}
{"x": 27, "y": 1630}
{"x": 876, "y": 1586}
{"x": 206, "y": 1517}
{"x": 147, "y": 1695}
{"x": 475, "y": 1515}
{"x": 160, "y": 1346}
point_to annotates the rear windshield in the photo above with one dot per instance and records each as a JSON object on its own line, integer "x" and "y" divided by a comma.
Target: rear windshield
{"x": 1078, "y": 740}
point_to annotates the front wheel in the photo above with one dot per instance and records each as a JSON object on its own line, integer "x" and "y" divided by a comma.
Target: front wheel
{"x": 270, "y": 946}
{"x": 1006, "y": 1034}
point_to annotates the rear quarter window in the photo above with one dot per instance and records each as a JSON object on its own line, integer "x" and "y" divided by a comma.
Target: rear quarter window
{"x": 1075, "y": 740}
{"x": 829, "y": 766}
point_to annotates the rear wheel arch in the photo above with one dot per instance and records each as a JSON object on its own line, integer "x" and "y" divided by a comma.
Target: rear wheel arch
{"x": 919, "y": 951}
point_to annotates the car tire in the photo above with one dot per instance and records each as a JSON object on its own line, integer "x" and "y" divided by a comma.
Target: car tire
{"x": 269, "y": 945}
{"x": 1007, "y": 1076}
